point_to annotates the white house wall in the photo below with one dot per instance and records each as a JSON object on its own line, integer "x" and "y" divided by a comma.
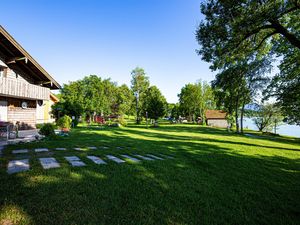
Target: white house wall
{"x": 217, "y": 123}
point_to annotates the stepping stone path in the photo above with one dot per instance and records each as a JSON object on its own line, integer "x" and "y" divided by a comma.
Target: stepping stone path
{"x": 41, "y": 150}
{"x": 48, "y": 163}
{"x": 144, "y": 157}
{"x": 131, "y": 158}
{"x": 20, "y": 151}
{"x": 96, "y": 159}
{"x": 115, "y": 159}
{"x": 74, "y": 161}
{"x": 154, "y": 157}
{"x": 19, "y": 165}
{"x": 60, "y": 149}
{"x": 16, "y": 166}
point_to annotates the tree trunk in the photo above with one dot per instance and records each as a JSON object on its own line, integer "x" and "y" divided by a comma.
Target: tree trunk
{"x": 203, "y": 119}
{"x": 242, "y": 117}
{"x": 137, "y": 111}
{"x": 237, "y": 116}
{"x": 237, "y": 123}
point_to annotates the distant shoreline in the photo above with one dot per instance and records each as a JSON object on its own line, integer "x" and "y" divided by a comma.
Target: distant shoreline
{"x": 285, "y": 129}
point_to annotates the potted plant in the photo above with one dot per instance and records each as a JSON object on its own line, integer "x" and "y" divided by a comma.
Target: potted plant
{"x": 64, "y": 123}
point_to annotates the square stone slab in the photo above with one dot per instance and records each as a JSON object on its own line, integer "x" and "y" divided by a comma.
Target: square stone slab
{"x": 92, "y": 148}
{"x": 78, "y": 149}
{"x": 96, "y": 159}
{"x": 41, "y": 150}
{"x": 143, "y": 157}
{"x": 72, "y": 158}
{"x": 131, "y": 158}
{"x": 60, "y": 149}
{"x": 154, "y": 157}
{"x": 74, "y": 161}
{"x": 16, "y": 166}
{"x": 104, "y": 147}
{"x": 166, "y": 156}
{"x": 20, "y": 151}
{"x": 115, "y": 159}
{"x": 77, "y": 163}
{"x": 48, "y": 163}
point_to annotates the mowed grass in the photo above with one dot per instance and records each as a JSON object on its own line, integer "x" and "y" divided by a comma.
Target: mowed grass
{"x": 215, "y": 178}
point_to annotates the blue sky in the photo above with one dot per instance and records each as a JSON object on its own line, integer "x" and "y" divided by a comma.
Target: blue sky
{"x": 72, "y": 39}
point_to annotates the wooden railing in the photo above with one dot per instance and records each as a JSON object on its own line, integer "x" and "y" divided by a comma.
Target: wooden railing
{"x": 21, "y": 89}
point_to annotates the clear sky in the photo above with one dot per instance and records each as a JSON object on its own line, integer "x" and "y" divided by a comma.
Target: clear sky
{"x": 109, "y": 38}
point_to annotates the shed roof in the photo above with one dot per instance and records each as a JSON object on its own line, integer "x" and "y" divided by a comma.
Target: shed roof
{"x": 215, "y": 114}
{"x": 19, "y": 59}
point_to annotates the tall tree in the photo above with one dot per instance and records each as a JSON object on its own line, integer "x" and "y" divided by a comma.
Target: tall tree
{"x": 90, "y": 95}
{"x": 235, "y": 31}
{"x": 99, "y": 95}
{"x": 139, "y": 85}
{"x": 240, "y": 84}
{"x": 189, "y": 100}
{"x": 195, "y": 98}
{"x": 71, "y": 101}
{"x": 230, "y": 91}
{"x": 267, "y": 117}
{"x": 207, "y": 100}
{"x": 154, "y": 103}
{"x": 125, "y": 99}
{"x": 175, "y": 113}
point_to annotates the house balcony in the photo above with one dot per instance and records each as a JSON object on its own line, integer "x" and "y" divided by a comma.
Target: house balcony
{"x": 21, "y": 89}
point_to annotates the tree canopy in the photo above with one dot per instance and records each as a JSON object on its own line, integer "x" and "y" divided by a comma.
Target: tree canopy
{"x": 248, "y": 31}
{"x": 235, "y": 29}
{"x": 195, "y": 98}
{"x": 155, "y": 103}
{"x": 238, "y": 85}
{"x": 139, "y": 85}
{"x": 267, "y": 117}
{"x": 93, "y": 95}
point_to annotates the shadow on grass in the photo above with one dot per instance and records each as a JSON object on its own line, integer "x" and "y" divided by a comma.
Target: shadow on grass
{"x": 201, "y": 139}
{"x": 203, "y": 184}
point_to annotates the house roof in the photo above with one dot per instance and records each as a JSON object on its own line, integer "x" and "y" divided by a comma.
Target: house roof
{"x": 19, "y": 60}
{"x": 215, "y": 114}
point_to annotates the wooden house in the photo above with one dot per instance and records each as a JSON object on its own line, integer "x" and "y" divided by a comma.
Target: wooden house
{"x": 25, "y": 86}
{"x": 216, "y": 118}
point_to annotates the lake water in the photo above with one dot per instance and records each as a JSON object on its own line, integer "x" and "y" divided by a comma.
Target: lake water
{"x": 285, "y": 129}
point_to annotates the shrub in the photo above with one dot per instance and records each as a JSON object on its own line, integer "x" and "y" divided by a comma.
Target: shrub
{"x": 47, "y": 129}
{"x": 64, "y": 122}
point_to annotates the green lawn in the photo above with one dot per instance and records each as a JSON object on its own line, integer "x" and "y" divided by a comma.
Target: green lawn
{"x": 215, "y": 178}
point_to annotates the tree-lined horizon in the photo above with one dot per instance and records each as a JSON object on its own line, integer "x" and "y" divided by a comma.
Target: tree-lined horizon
{"x": 93, "y": 95}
